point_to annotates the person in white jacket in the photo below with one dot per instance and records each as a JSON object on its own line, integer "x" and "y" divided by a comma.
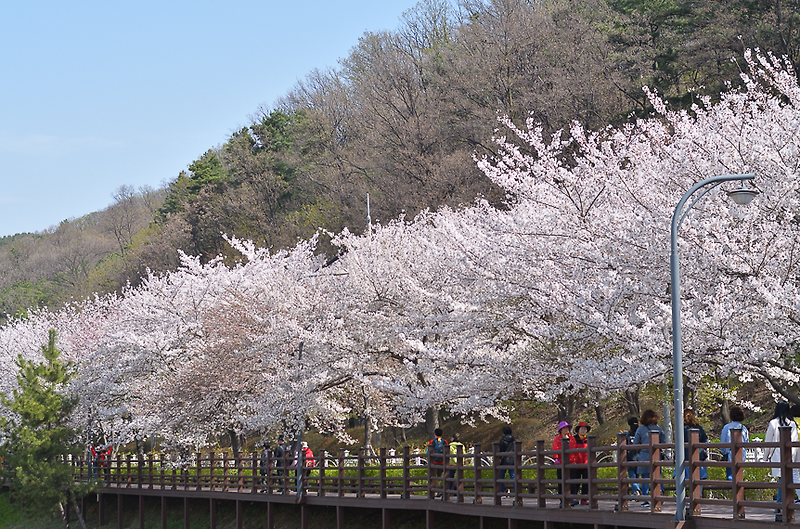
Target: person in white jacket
{"x": 782, "y": 417}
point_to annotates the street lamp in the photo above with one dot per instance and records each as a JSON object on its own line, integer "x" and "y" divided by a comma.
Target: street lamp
{"x": 740, "y": 196}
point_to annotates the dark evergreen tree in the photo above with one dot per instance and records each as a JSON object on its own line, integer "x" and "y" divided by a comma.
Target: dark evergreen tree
{"x": 36, "y": 437}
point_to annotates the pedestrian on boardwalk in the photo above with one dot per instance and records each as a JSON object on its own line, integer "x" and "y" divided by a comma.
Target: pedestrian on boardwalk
{"x": 437, "y": 447}
{"x": 263, "y": 464}
{"x": 737, "y": 416}
{"x": 630, "y": 455}
{"x": 691, "y": 422}
{"x": 507, "y": 445}
{"x": 580, "y": 441}
{"x": 648, "y": 424}
{"x": 782, "y": 417}
{"x": 279, "y": 455}
{"x": 563, "y": 432}
{"x": 308, "y": 462}
{"x": 100, "y": 461}
{"x": 455, "y": 443}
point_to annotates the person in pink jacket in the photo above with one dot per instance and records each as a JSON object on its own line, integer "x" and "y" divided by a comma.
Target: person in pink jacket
{"x": 563, "y": 432}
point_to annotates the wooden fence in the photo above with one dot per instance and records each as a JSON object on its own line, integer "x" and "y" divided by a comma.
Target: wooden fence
{"x": 478, "y": 478}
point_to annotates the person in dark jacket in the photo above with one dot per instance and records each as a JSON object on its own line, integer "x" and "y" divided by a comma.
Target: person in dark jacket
{"x": 633, "y": 425}
{"x": 648, "y": 424}
{"x": 507, "y": 445}
{"x": 280, "y": 452}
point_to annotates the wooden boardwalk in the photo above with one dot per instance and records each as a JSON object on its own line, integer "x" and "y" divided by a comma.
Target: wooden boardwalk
{"x": 469, "y": 484}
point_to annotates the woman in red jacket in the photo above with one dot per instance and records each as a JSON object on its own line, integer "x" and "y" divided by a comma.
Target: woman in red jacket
{"x": 580, "y": 458}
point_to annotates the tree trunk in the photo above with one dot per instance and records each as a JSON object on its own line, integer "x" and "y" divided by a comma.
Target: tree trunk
{"x": 632, "y": 401}
{"x": 140, "y": 447}
{"x": 235, "y": 446}
{"x": 725, "y": 411}
{"x": 565, "y": 404}
{"x": 600, "y": 412}
{"x": 367, "y": 436}
{"x": 431, "y": 420}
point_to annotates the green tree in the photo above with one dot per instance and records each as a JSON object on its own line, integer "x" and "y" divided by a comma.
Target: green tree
{"x": 36, "y": 438}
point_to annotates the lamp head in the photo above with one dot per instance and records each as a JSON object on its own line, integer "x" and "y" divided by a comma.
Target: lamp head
{"x": 742, "y": 196}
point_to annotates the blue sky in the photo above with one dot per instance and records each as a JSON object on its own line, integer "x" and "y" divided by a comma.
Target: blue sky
{"x": 94, "y": 95}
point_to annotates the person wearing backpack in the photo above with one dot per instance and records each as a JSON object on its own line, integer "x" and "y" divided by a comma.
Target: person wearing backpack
{"x": 455, "y": 443}
{"x": 631, "y": 455}
{"x": 507, "y": 445}
{"x": 436, "y": 448}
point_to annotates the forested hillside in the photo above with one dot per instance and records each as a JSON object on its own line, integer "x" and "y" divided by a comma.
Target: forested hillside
{"x": 403, "y": 118}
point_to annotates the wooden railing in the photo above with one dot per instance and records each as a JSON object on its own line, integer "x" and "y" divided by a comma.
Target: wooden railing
{"x": 477, "y": 477}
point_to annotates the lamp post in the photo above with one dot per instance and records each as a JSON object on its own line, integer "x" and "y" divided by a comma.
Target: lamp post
{"x": 740, "y": 196}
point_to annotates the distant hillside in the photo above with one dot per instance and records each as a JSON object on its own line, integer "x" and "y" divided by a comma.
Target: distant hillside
{"x": 402, "y": 119}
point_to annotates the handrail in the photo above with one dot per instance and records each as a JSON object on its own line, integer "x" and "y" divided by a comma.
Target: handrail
{"x": 464, "y": 477}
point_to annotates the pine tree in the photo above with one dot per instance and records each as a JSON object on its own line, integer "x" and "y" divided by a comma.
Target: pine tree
{"x": 36, "y": 438}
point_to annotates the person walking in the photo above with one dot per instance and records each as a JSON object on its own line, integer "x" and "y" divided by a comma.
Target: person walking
{"x": 308, "y": 463}
{"x": 737, "y": 416}
{"x": 648, "y": 424}
{"x": 563, "y": 433}
{"x": 437, "y": 447}
{"x": 630, "y": 455}
{"x": 691, "y": 422}
{"x": 455, "y": 443}
{"x": 279, "y": 456}
{"x": 580, "y": 441}
{"x": 100, "y": 461}
{"x": 263, "y": 464}
{"x": 507, "y": 445}
{"x": 781, "y": 417}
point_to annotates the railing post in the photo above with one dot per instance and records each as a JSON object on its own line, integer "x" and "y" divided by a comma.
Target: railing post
{"x": 406, "y": 472}
{"x": 787, "y": 494}
{"x": 149, "y": 458}
{"x": 498, "y": 498}
{"x": 445, "y": 472}
{"x": 240, "y": 471}
{"x": 139, "y": 476}
{"x": 162, "y": 480}
{"x": 382, "y": 462}
{"x": 459, "y": 484}
{"x": 541, "y": 501}
{"x": 563, "y": 461}
{"x": 695, "y": 489}
{"x": 431, "y": 493}
{"x": 361, "y": 472}
{"x": 622, "y": 471}
{"x": 591, "y": 467}
{"x": 737, "y": 473}
{"x": 517, "y": 473}
{"x": 199, "y": 470}
{"x": 655, "y": 472}
{"x": 476, "y": 456}
{"x": 128, "y": 483}
{"x": 288, "y": 457}
{"x": 255, "y": 466}
{"x": 323, "y": 463}
{"x": 340, "y": 484}
{"x": 225, "y": 478}
{"x": 212, "y": 478}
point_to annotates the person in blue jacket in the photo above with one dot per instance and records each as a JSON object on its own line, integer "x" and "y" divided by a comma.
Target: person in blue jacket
{"x": 647, "y": 424}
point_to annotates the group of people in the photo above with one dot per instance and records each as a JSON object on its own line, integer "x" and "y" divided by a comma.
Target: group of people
{"x": 283, "y": 456}
{"x": 639, "y": 433}
{"x": 577, "y": 439}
